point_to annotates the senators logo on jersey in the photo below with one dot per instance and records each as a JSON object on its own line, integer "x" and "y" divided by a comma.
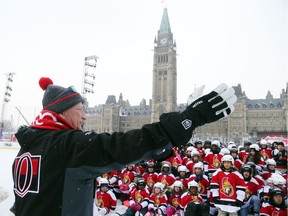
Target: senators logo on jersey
{"x": 227, "y": 188}
{"x": 216, "y": 162}
{"x": 26, "y": 174}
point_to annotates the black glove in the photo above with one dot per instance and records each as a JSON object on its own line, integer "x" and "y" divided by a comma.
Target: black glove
{"x": 209, "y": 108}
{"x": 239, "y": 203}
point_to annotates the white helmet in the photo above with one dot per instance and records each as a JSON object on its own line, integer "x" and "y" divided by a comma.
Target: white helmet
{"x": 207, "y": 151}
{"x": 227, "y": 158}
{"x": 103, "y": 181}
{"x": 194, "y": 153}
{"x": 263, "y": 142}
{"x": 270, "y": 162}
{"x": 254, "y": 146}
{"x": 276, "y": 179}
{"x": 240, "y": 148}
{"x": 231, "y": 146}
{"x": 182, "y": 168}
{"x": 216, "y": 142}
{"x": 190, "y": 148}
{"x": 198, "y": 165}
{"x": 177, "y": 184}
{"x": 224, "y": 151}
{"x": 159, "y": 185}
{"x": 192, "y": 184}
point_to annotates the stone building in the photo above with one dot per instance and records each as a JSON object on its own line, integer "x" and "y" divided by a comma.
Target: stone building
{"x": 252, "y": 118}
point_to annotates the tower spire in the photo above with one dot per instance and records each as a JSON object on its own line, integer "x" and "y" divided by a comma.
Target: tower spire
{"x": 165, "y": 24}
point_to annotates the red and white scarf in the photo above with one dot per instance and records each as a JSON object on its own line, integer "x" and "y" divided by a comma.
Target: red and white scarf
{"x": 50, "y": 120}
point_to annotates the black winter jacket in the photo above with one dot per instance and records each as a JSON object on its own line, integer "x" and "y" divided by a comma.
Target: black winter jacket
{"x": 54, "y": 171}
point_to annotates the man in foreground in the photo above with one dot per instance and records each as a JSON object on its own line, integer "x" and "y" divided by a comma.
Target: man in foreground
{"x": 55, "y": 168}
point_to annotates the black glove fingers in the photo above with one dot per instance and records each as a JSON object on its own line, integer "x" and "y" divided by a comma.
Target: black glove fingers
{"x": 224, "y": 112}
{"x": 216, "y": 101}
{"x": 228, "y": 96}
{"x": 227, "y": 105}
{"x": 219, "y": 107}
{"x": 204, "y": 98}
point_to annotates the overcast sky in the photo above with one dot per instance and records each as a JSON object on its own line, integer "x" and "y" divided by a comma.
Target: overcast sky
{"x": 233, "y": 41}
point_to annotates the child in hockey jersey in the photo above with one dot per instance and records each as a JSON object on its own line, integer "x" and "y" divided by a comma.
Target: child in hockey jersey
{"x": 228, "y": 188}
{"x": 137, "y": 201}
{"x": 276, "y": 205}
{"x": 105, "y": 198}
{"x": 202, "y": 180}
{"x": 212, "y": 160}
{"x": 251, "y": 200}
{"x": 157, "y": 200}
{"x": 192, "y": 203}
{"x": 174, "y": 199}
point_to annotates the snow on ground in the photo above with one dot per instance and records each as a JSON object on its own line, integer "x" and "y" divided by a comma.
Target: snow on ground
{"x": 7, "y": 155}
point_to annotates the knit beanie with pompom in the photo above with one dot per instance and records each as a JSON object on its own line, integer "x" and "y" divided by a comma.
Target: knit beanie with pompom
{"x": 57, "y": 98}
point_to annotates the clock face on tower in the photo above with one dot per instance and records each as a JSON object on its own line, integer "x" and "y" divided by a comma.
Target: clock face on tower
{"x": 163, "y": 41}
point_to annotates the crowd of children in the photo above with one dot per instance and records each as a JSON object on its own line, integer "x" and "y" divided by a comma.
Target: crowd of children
{"x": 203, "y": 178}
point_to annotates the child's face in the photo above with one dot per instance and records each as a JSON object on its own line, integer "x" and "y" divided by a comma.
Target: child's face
{"x": 278, "y": 199}
{"x": 271, "y": 167}
{"x": 227, "y": 165}
{"x": 193, "y": 190}
{"x": 246, "y": 174}
{"x": 177, "y": 189}
{"x": 182, "y": 173}
{"x": 195, "y": 158}
{"x": 104, "y": 188}
{"x": 157, "y": 190}
{"x": 280, "y": 147}
{"x": 198, "y": 171}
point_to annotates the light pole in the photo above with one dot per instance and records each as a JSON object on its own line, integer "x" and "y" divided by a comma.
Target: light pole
{"x": 6, "y": 99}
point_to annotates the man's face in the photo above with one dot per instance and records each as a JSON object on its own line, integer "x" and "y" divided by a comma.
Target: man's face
{"x": 75, "y": 116}
{"x": 278, "y": 199}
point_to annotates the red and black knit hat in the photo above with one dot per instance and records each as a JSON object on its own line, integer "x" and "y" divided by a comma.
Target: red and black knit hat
{"x": 57, "y": 98}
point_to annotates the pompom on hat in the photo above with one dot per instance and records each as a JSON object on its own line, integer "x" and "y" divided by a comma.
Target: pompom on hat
{"x": 57, "y": 98}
